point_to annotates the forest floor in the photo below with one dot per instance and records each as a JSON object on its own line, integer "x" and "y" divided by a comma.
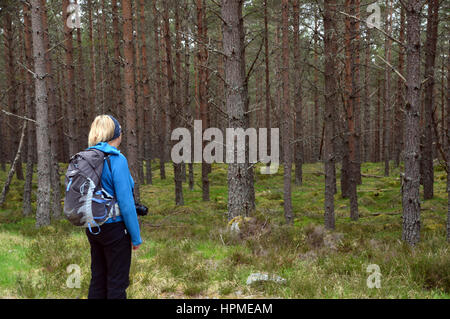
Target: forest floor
{"x": 190, "y": 252}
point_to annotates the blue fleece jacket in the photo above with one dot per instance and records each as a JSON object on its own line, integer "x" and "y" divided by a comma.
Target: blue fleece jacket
{"x": 117, "y": 181}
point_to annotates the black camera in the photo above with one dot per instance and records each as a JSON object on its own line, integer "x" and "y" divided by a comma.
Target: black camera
{"x": 141, "y": 210}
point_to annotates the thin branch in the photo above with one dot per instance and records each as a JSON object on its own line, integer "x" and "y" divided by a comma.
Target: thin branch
{"x": 18, "y": 116}
{"x": 13, "y": 166}
{"x": 392, "y": 67}
{"x": 387, "y": 35}
{"x": 253, "y": 64}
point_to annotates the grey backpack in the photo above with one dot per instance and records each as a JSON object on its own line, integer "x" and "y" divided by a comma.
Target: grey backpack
{"x": 86, "y": 203}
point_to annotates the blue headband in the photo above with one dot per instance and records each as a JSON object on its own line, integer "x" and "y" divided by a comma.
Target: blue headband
{"x": 117, "y": 129}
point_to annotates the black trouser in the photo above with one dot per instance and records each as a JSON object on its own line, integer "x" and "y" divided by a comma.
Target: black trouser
{"x": 110, "y": 261}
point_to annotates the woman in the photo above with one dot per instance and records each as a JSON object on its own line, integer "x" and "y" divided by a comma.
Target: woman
{"x": 111, "y": 248}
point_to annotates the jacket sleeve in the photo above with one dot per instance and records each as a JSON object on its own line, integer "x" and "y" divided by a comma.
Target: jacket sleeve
{"x": 123, "y": 186}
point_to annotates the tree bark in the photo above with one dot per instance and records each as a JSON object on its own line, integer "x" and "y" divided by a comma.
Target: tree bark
{"x": 377, "y": 139}
{"x": 298, "y": 98}
{"x": 356, "y": 92}
{"x": 42, "y": 130}
{"x": 239, "y": 177}
{"x": 267, "y": 77}
{"x": 203, "y": 88}
{"x": 106, "y": 69}
{"x": 387, "y": 89}
{"x": 119, "y": 112}
{"x": 161, "y": 113}
{"x": 129, "y": 95}
{"x": 83, "y": 109}
{"x": 366, "y": 102}
{"x": 96, "y": 107}
{"x": 29, "y": 111}
{"x": 53, "y": 127}
{"x": 330, "y": 50}
{"x": 317, "y": 128}
{"x": 148, "y": 120}
{"x": 286, "y": 124}
{"x": 398, "y": 145}
{"x": 411, "y": 178}
{"x": 448, "y": 144}
{"x": 10, "y": 72}
{"x": 70, "y": 82}
{"x": 430, "y": 57}
{"x": 137, "y": 31}
{"x": 187, "y": 101}
{"x": 351, "y": 90}
{"x": 173, "y": 105}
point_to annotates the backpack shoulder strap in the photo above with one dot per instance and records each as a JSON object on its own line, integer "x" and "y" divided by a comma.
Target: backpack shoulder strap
{"x": 108, "y": 160}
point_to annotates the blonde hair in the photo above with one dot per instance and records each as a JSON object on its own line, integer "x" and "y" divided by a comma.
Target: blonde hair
{"x": 102, "y": 130}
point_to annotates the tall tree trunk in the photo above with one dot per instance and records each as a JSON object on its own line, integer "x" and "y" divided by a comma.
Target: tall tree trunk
{"x": 398, "y": 145}
{"x": 330, "y": 51}
{"x": 146, "y": 95}
{"x": 286, "y": 124}
{"x": 129, "y": 94}
{"x": 387, "y": 89}
{"x": 351, "y": 88}
{"x": 139, "y": 90}
{"x": 10, "y": 72}
{"x": 376, "y": 152}
{"x": 317, "y": 129}
{"x": 105, "y": 50}
{"x": 42, "y": 129}
{"x": 443, "y": 118}
{"x": 203, "y": 88}
{"x": 96, "y": 107}
{"x": 53, "y": 128}
{"x": 187, "y": 100}
{"x": 161, "y": 113}
{"x": 267, "y": 77}
{"x": 356, "y": 92}
{"x": 366, "y": 101}
{"x": 29, "y": 110}
{"x": 117, "y": 92}
{"x": 345, "y": 152}
{"x": 63, "y": 109}
{"x": 83, "y": 105}
{"x": 179, "y": 79}
{"x": 70, "y": 81}
{"x": 448, "y": 144}
{"x": 430, "y": 57}
{"x": 173, "y": 105}
{"x": 298, "y": 156}
{"x": 276, "y": 115}
{"x": 411, "y": 178}
{"x": 239, "y": 177}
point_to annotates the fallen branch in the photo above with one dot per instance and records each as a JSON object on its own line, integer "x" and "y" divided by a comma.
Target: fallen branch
{"x": 374, "y": 176}
{"x": 378, "y": 214}
{"x": 161, "y": 225}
